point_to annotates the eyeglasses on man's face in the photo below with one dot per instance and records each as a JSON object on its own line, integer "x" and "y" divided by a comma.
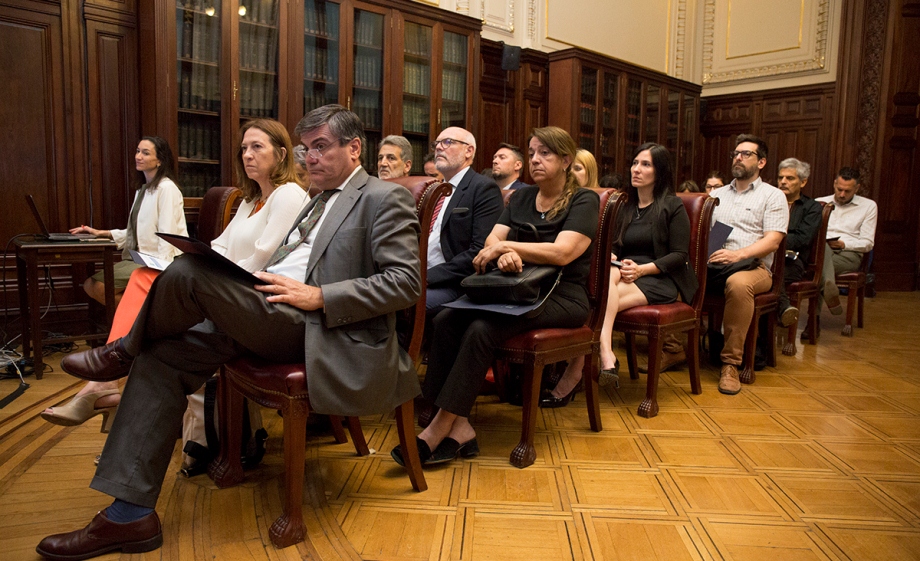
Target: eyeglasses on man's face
{"x": 447, "y": 143}
{"x": 745, "y": 154}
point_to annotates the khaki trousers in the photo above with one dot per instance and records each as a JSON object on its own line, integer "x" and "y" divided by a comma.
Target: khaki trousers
{"x": 740, "y": 289}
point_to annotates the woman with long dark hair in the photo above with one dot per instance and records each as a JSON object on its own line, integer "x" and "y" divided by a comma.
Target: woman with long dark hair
{"x": 652, "y": 243}
{"x": 463, "y": 341}
{"x": 158, "y": 207}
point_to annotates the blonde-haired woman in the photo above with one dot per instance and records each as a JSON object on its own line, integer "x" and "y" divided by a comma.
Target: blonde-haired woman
{"x": 463, "y": 341}
{"x": 585, "y": 169}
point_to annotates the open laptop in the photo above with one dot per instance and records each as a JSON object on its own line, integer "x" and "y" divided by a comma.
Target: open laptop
{"x": 54, "y": 237}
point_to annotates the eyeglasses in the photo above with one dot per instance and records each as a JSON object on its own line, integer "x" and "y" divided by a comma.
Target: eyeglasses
{"x": 743, "y": 153}
{"x": 447, "y": 143}
{"x": 315, "y": 153}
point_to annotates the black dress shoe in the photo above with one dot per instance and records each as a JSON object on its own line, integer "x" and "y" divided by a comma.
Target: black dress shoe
{"x": 449, "y": 449}
{"x": 102, "y": 535}
{"x": 608, "y": 375}
{"x": 101, "y": 364}
{"x": 549, "y": 401}
{"x": 424, "y": 452}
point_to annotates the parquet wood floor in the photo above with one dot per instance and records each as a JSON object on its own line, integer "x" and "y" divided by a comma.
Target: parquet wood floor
{"x": 819, "y": 460}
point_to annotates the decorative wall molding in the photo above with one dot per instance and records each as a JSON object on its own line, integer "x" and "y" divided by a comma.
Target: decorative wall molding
{"x": 870, "y": 85}
{"x": 503, "y": 20}
{"x": 532, "y": 20}
{"x": 463, "y": 7}
{"x": 680, "y": 41}
{"x": 815, "y": 59}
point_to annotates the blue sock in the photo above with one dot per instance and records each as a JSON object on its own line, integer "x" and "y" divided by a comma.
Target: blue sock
{"x": 123, "y": 512}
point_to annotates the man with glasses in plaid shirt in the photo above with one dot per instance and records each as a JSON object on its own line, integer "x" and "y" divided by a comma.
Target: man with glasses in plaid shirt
{"x": 759, "y": 217}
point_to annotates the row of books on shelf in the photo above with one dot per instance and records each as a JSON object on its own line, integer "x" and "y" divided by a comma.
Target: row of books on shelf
{"x": 368, "y": 71}
{"x": 453, "y": 85}
{"x": 455, "y": 48}
{"x": 416, "y": 79}
{"x": 418, "y": 40}
{"x": 199, "y": 37}
{"x": 587, "y": 115}
{"x": 322, "y": 20}
{"x": 199, "y": 88}
{"x": 419, "y": 151}
{"x": 368, "y": 29}
{"x": 199, "y": 140}
{"x": 369, "y": 110}
{"x": 259, "y": 49}
{"x": 259, "y": 11}
{"x": 257, "y": 95}
{"x": 206, "y": 6}
{"x": 320, "y": 64}
{"x": 196, "y": 184}
{"x": 416, "y": 116}
{"x": 317, "y": 98}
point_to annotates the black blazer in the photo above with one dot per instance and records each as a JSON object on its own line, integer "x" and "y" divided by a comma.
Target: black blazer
{"x": 468, "y": 219}
{"x": 671, "y": 240}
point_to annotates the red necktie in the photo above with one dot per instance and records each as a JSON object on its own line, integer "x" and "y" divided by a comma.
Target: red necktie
{"x": 437, "y": 211}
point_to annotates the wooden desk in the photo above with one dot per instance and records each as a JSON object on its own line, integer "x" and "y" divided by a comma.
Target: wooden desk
{"x": 32, "y": 253}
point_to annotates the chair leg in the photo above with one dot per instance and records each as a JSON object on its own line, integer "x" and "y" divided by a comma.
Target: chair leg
{"x": 814, "y": 306}
{"x": 405, "y": 426}
{"x": 357, "y": 436}
{"x": 789, "y": 348}
{"x": 771, "y": 338}
{"x": 524, "y": 454}
{"x": 289, "y": 528}
{"x": 693, "y": 359}
{"x": 649, "y": 406}
{"x": 631, "y": 356}
{"x": 851, "y": 307}
{"x": 338, "y": 433}
{"x": 226, "y": 470}
{"x": 592, "y": 390}
{"x": 861, "y": 298}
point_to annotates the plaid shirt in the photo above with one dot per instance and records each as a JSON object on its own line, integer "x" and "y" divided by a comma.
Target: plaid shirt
{"x": 759, "y": 209}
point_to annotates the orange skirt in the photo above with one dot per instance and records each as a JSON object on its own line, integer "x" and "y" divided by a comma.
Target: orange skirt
{"x": 131, "y": 301}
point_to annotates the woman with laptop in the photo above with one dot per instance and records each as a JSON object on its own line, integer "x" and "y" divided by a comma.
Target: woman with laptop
{"x": 272, "y": 199}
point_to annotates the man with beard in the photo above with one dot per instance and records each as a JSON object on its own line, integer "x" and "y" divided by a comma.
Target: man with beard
{"x": 758, "y": 215}
{"x": 804, "y": 223}
{"x": 507, "y": 164}
{"x": 394, "y": 157}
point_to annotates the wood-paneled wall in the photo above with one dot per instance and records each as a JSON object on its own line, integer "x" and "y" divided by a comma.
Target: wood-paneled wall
{"x": 70, "y": 115}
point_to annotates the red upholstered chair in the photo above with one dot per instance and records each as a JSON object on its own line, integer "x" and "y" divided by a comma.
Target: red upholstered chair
{"x": 539, "y": 347}
{"x": 658, "y": 321}
{"x": 809, "y": 288}
{"x": 855, "y": 284}
{"x": 284, "y": 387}
{"x": 764, "y": 303}
{"x": 211, "y": 213}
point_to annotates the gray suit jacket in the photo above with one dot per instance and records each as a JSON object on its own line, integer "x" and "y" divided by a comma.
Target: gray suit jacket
{"x": 365, "y": 259}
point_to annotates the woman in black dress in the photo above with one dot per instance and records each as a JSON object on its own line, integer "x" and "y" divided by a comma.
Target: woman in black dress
{"x": 463, "y": 342}
{"x": 653, "y": 239}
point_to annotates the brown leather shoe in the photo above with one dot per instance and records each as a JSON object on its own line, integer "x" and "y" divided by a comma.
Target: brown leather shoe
{"x": 730, "y": 382}
{"x": 101, "y": 364}
{"x": 668, "y": 361}
{"x": 102, "y": 535}
{"x": 790, "y": 316}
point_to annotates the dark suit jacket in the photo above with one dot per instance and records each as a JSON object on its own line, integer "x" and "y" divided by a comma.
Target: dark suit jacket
{"x": 365, "y": 258}
{"x": 469, "y": 217}
{"x": 516, "y": 185}
{"x": 671, "y": 240}
{"x": 804, "y": 223}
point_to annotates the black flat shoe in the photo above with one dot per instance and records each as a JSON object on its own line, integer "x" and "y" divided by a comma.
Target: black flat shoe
{"x": 424, "y": 452}
{"x": 609, "y": 375}
{"x": 549, "y": 401}
{"x": 449, "y": 449}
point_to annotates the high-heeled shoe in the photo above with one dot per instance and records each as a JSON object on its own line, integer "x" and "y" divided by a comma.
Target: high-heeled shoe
{"x": 80, "y": 409}
{"x": 608, "y": 375}
{"x": 549, "y": 401}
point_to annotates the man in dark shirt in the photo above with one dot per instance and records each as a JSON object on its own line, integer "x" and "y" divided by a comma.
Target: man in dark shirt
{"x": 804, "y": 223}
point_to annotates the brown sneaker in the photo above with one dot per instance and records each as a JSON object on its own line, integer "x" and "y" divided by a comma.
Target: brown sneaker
{"x": 729, "y": 383}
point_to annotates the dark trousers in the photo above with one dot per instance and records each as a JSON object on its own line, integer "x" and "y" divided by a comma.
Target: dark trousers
{"x": 194, "y": 320}
{"x": 793, "y": 272}
{"x": 464, "y": 341}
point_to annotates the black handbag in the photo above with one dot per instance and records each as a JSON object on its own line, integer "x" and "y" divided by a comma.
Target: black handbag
{"x": 526, "y": 287}
{"x": 497, "y": 287}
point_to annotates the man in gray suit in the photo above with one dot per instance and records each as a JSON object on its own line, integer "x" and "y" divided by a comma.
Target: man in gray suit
{"x": 330, "y": 298}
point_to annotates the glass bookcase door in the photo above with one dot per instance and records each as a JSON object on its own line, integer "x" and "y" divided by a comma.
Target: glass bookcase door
{"x": 320, "y": 54}
{"x": 607, "y": 159}
{"x": 633, "y": 117}
{"x": 367, "y": 81}
{"x": 687, "y": 135}
{"x": 258, "y": 95}
{"x": 453, "y": 80}
{"x": 587, "y": 114}
{"x": 672, "y": 124}
{"x": 198, "y": 76}
{"x": 652, "y": 112}
{"x": 416, "y": 97}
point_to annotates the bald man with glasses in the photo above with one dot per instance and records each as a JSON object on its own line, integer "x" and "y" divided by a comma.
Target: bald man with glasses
{"x": 464, "y": 219}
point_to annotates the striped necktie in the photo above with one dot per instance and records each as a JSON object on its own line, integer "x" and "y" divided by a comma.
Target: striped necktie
{"x": 437, "y": 211}
{"x": 303, "y": 228}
